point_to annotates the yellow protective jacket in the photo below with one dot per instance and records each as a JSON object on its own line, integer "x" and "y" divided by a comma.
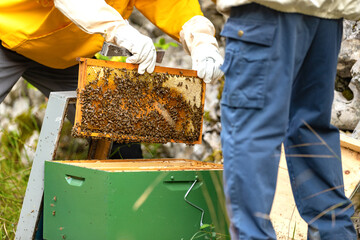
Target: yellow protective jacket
{"x": 39, "y": 31}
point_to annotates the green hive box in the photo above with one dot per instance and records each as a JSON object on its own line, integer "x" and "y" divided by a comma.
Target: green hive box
{"x": 141, "y": 199}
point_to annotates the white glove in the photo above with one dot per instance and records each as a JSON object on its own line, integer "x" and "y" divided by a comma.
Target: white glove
{"x": 100, "y": 18}
{"x": 139, "y": 45}
{"x": 197, "y": 37}
{"x": 206, "y": 60}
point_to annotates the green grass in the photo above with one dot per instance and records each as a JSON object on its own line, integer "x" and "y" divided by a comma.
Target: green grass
{"x": 14, "y": 173}
{"x": 15, "y": 164}
{"x": 13, "y": 179}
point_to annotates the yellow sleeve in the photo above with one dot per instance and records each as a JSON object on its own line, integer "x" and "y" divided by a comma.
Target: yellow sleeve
{"x": 169, "y": 15}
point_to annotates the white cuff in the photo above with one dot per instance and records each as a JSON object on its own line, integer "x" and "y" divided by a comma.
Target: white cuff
{"x": 198, "y": 30}
{"x": 92, "y": 16}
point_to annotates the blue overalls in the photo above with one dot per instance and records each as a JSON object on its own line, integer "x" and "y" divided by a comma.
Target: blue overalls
{"x": 280, "y": 70}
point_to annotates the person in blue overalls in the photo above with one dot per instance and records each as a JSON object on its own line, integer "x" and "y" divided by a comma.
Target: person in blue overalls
{"x": 280, "y": 66}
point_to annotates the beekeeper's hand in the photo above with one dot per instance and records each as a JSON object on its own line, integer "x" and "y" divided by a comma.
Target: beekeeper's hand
{"x": 99, "y": 17}
{"x": 206, "y": 60}
{"x": 139, "y": 45}
{"x": 197, "y": 37}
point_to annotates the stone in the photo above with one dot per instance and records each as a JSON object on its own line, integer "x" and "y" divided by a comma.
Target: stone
{"x": 346, "y": 113}
{"x": 351, "y": 29}
{"x": 346, "y": 107}
{"x": 212, "y": 101}
{"x": 349, "y": 54}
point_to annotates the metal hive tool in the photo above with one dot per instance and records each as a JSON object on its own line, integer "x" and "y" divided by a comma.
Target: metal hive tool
{"x": 117, "y": 103}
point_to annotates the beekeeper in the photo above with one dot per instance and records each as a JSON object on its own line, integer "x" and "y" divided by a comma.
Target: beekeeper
{"x": 280, "y": 66}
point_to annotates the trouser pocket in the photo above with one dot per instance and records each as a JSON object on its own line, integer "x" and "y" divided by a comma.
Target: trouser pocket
{"x": 246, "y": 65}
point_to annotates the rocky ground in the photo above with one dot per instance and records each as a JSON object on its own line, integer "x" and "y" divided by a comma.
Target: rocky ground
{"x": 346, "y": 106}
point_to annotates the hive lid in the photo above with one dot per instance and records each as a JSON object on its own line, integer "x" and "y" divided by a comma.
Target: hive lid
{"x": 115, "y": 102}
{"x": 138, "y": 165}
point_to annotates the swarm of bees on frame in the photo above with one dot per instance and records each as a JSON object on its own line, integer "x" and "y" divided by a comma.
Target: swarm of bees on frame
{"x": 124, "y": 106}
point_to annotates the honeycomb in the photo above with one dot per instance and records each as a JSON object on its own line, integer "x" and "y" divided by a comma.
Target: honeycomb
{"x": 119, "y": 104}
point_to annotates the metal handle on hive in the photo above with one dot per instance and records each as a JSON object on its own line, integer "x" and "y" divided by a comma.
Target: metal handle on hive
{"x": 199, "y": 208}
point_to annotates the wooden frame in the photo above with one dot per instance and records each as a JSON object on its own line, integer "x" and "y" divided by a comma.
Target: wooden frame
{"x": 173, "y": 72}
